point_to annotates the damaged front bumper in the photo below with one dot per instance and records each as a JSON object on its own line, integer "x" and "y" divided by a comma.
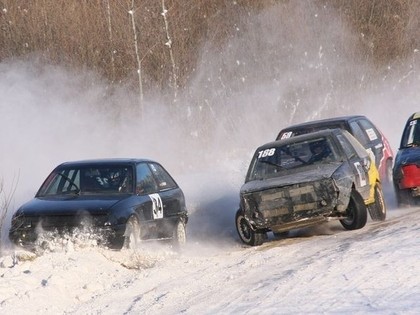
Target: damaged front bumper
{"x": 284, "y": 208}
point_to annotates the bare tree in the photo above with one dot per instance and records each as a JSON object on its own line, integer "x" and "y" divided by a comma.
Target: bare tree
{"x": 136, "y": 47}
{"x": 171, "y": 54}
{"x": 108, "y": 11}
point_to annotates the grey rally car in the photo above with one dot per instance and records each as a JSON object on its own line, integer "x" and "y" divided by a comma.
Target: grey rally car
{"x": 122, "y": 200}
{"x": 303, "y": 181}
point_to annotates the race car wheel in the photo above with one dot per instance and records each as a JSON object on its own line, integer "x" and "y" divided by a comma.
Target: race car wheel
{"x": 404, "y": 198}
{"x": 388, "y": 172}
{"x": 356, "y": 213}
{"x": 132, "y": 233}
{"x": 246, "y": 233}
{"x": 377, "y": 210}
{"x": 179, "y": 237}
{"x": 281, "y": 234}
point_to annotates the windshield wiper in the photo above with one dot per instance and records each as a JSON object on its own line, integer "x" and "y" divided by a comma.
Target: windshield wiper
{"x": 272, "y": 163}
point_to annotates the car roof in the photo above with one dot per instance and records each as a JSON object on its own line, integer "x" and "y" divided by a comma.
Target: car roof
{"x": 105, "y": 161}
{"x": 415, "y": 115}
{"x": 303, "y": 137}
{"x": 327, "y": 121}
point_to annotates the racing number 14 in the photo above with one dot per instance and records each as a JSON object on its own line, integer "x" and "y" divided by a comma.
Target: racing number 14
{"x": 157, "y": 205}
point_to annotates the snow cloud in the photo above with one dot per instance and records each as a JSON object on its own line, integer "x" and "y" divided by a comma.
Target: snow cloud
{"x": 292, "y": 63}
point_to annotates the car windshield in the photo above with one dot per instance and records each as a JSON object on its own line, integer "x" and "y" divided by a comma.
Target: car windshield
{"x": 411, "y": 136}
{"x": 88, "y": 180}
{"x": 275, "y": 161}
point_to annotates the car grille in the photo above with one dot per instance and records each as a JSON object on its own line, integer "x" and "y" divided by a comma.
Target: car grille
{"x": 296, "y": 200}
{"x": 63, "y": 221}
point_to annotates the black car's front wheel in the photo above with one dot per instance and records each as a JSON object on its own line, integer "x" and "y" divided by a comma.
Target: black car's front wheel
{"x": 245, "y": 231}
{"x": 132, "y": 233}
{"x": 356, "y": 212}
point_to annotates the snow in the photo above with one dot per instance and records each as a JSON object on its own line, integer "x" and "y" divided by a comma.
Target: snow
{"x": 54, "y": 115}
{"x": 317, "y": 270}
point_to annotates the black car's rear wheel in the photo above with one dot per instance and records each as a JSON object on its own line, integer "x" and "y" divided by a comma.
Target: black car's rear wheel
{"x": 377, "y": 210}
{"x": 356, "y": 212}
{"x": 246, "y": 233}
{"x": 132, "y": 233}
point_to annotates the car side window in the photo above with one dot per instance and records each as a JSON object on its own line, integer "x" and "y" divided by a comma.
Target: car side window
{"x": 370, "y": 130}
{"x": 347, "y": 147}
{"x": 411, "y": 135}
{"x": 163, "y": 179}
{"x": 357, "y": 146}
{"x": 359, "y": 134}
{"x": 145, "y": 183}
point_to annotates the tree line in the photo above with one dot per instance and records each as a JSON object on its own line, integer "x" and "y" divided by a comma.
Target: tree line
{"x": 156, "y": 43}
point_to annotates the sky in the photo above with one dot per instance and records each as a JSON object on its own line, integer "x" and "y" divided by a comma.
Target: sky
{"x": 238, "y": 98}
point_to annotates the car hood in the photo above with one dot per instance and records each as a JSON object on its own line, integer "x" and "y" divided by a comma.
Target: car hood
{"x": 307, "y": 174}
{"x": 67, "y": 205}
{"x": 408, "y": 156}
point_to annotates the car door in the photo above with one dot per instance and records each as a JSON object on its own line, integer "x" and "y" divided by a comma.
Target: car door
{"x": 169, "y": 192}
{"x": 369, "y": 137}
{"x": 150, "y": 208}
{"x": 357, "y": 157}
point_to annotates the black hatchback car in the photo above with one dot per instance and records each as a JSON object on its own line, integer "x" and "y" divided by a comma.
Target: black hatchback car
{"x": 406, "y": 170}
{"x": 303, "y": 181}
{"x": 362, "y": 129}
{"x": 122, "y": 200}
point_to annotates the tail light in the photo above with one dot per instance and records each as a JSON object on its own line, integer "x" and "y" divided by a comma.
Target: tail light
{"x": 410, "y": 176}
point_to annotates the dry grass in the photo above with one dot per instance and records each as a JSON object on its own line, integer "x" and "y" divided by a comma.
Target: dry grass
{"x": 5, "y": 200}
{"x": 98, "y": 35}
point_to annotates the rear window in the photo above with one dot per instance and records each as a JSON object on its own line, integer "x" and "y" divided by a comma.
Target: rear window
{"x": 411, "y": 135}
{"x": 285, "y": 134}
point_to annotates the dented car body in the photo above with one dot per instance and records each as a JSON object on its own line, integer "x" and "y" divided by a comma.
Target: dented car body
{"x": 290, "y": 185}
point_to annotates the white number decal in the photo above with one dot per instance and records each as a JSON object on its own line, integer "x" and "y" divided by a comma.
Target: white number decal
{"x": 157, "y": 206}
{"x": 266, "y": 152}
{"x": 371, "y": 134}
{"x": 286, "y": 135}
{"x": 361, "y": 172}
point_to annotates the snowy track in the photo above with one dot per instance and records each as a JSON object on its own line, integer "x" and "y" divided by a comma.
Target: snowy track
{"x": 320, "y": 270}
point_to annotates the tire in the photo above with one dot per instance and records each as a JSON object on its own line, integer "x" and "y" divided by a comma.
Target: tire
{"x": 404, "y": 197}
{"x": 246, "y": 233}
{"x": 281, "y": 234}
{"x": 356, "y": 212}
{"x": 179, "y": 236}
{"x": 132, "y": 234}
{"x": 388, "y": 172}
{"x": 377, "y": 210}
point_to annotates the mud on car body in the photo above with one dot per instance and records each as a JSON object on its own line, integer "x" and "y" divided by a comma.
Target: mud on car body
{"x": 406, "y": 171}
{"x": 123, "y": 200}
{"x": 362, "y": 129}
{"x": 285, "y": 188}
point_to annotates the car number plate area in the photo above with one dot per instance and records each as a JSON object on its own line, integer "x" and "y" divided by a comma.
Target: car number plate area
{"x": 295, "y": 200}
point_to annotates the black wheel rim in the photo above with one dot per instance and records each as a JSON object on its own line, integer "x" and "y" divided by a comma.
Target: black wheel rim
{"x": 244, "y": 229}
